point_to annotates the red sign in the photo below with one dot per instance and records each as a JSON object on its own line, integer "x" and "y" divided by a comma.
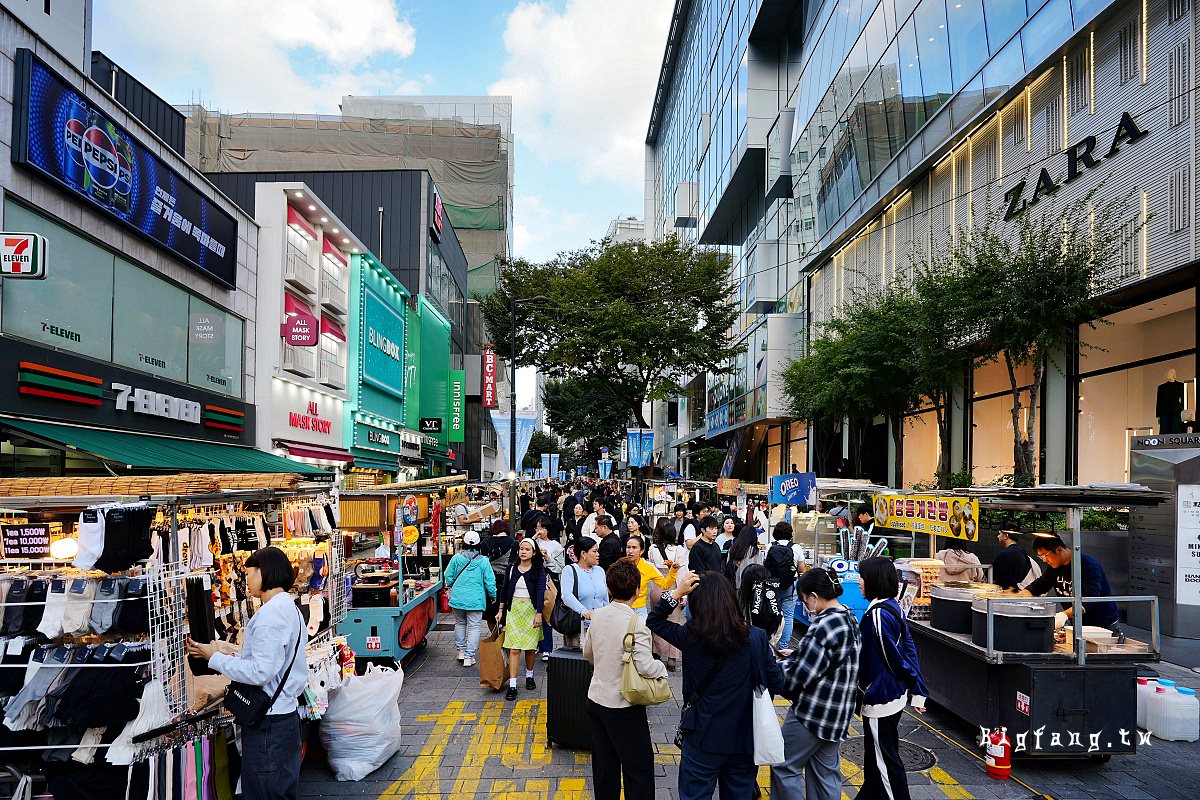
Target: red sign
{"x": 490, "y": 400}
{"x": 22, "y": 255}
{"x": 438, "y": 212}
{"x": 310, "y": 421}
{"x": 301, "y": 328}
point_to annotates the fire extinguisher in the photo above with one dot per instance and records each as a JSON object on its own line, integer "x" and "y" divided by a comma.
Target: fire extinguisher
{"x": 999, "y": 754}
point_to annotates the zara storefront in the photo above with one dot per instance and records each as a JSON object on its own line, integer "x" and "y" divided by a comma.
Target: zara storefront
{"x": 1044, "y": 104}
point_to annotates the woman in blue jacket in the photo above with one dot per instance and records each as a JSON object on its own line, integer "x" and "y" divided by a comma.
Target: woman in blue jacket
{"x": 472, "y": 585}
{"x": 889, "y": 676}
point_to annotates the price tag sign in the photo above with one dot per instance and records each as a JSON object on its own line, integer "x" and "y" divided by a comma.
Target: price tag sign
{"x": 26, "y": 541}
{"x": 374, "y": 643}
{"x": 1023, "y": 703}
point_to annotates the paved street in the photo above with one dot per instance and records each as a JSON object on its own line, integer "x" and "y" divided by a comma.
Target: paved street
{"x": 461, "y": 741}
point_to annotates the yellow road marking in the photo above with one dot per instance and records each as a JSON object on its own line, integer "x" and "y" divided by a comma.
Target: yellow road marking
{"x": 572, "y": 789}
{"x": 950, "y": 787}
{"x": 484, "y": 743}
{"x": 521, "y": 750}
{"x": 421, "y": 781}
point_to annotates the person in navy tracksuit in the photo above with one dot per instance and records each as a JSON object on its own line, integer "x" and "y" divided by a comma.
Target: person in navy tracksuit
{"x": 888, "y": 676}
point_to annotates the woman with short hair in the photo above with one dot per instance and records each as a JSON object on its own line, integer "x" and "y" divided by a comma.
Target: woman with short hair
{"x": 272, "y": 653}
{"x": 635, "y": 548}
{"x": 583, "y": 586}
{"x": 621, "y": 747}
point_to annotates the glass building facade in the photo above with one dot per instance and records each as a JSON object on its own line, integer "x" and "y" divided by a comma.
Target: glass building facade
{"x": 828, "y": 146}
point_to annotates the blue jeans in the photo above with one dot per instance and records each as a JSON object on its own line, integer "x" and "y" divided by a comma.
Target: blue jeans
{"x": 787, "y": 604}
{"x": 466, "y": 631}
{"x": 271, "y": 758}
{"x": 700, "y": 772}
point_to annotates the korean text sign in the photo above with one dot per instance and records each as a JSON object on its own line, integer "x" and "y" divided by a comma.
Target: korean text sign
{"x": 67, "y": 138}
{"x": 939, "y": 515}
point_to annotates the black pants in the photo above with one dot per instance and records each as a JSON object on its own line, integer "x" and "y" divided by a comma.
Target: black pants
{"x": 271, "y": 758}
{"x": 621, "y": 747}
{"x": 883, "y": 771}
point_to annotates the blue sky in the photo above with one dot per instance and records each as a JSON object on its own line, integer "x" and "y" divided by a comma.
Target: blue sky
{"x": 581, "y": 73}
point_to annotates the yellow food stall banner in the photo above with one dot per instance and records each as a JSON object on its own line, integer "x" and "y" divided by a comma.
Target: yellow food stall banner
{"x": 952, "y": 517}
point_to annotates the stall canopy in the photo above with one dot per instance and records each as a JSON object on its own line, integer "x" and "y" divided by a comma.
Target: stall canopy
{"x": 140, "y": 451}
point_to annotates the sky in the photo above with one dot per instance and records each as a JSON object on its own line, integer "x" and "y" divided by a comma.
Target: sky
{"x": 581, "y": 73}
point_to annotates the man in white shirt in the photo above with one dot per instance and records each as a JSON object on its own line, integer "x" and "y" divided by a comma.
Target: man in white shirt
{"x": 589, "y": 524}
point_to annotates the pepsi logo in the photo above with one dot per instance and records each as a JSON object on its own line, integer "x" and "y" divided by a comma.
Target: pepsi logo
{"x": 73, "y": 137}
{"x": 100, "y": 157}
{"x": 124, "y": 175}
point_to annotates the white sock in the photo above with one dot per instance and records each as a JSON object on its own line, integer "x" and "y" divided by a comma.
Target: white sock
{"x": 512, "y": 682}
{"x": 528, "y": 673}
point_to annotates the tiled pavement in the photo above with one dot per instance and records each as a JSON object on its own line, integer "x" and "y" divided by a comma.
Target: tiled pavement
{"x": 461, "y": 741}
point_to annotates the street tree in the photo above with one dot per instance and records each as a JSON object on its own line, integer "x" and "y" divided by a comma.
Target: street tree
{"x": 539, "y": 443}
{"x": 1033, "y": 281}
{"x": 584, "y": 411}
{"x": 637, "y": 316}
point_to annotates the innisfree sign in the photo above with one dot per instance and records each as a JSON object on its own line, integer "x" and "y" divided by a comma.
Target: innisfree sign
{"x": 1080, "y": 156}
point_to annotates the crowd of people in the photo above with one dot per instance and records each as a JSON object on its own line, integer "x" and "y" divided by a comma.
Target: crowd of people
{"x": 729, "y": 602}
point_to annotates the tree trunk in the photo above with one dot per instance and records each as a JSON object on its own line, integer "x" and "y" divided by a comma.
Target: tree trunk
{"x": 1020, "y": 461}
{"x": 942, "y": 413}
{"x": 1039, "y": 369}
{"x": 897, "y": 426}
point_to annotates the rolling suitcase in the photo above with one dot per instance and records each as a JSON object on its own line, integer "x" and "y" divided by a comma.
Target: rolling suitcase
{"x": 568, "y": 675}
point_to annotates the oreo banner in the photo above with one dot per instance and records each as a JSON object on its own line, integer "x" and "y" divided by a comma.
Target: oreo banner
{"x": 60, "y": 134}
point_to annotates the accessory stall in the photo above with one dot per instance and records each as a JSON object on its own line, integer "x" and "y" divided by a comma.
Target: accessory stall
{"x": 100, "y": 584}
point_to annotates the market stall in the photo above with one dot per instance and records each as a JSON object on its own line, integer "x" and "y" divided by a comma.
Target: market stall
{"x": 103, "y": 579}
{"x": 994, "y": 659}
{"x": 394, "y": 596}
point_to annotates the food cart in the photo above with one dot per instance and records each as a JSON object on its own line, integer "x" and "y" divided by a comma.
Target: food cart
{"x": 394, "y": 598}
{"x": 1057, "y": 699}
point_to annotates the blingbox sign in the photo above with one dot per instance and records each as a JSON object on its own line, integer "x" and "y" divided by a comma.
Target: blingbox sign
{"x": 58, "y": 132}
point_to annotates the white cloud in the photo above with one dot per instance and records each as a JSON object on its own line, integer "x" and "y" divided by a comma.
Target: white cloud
{"x": 541, "y": 229}
{"x": 265, "y": 55}
{"x": 582, "y": 81}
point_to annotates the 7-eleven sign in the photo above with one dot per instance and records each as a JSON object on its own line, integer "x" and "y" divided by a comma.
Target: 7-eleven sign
{"x": 22, "y": 255}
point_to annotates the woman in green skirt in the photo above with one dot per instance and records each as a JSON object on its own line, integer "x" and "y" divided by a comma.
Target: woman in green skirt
{"x": 521, "y": 601}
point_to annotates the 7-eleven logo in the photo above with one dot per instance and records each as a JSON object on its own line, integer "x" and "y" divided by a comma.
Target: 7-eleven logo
{"x": 22, "y": 255}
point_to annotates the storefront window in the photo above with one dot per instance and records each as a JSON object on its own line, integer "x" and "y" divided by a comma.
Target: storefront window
{"x": 1116, "y": 402}
{"x": 798, "y": 447}
{"x": 214, "y": 348}
{"x": 72, "y": 308}
{"x": 992, "y": 454}
{"x": 151, "y": 332}
{"x": 921, "y": 448}
{"x": 992, "y": 377}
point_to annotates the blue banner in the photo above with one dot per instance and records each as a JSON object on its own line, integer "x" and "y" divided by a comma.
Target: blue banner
{"x": 526, "y": 425}
{"x": 545, "y": 473}
{"x": 647, "y": 449}
{"x": 562, "y": 474}
{"x": 797, "y": 489}
{"x": 633, "y": 443}
{"x": 60, "y": 133}
{"x": 553, "y": 464}
{"x": 605, "y": 469}
{"x": 582, "y": 470}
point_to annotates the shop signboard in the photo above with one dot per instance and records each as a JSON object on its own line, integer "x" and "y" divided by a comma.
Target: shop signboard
{"x": 431, "y": 425}
{"x": 22, "y": 255}
{"x": 728, "y": 486}
{"x": 67, "y": 138}
{"x": 742, "y": 409}
{"x": 937, "y": 515}
{"x": 59, "y": 386}
{"x": 796, "y": 489}
{"x": 458, "y": 388}
{"x": 380, "y": 440}
{"x": 382, "y": 343}
{"x": 301, "y": 328}
{"x": 1187, "y": 537}
{"x": 490, "y": 399}
{"x": 26, "y": 541}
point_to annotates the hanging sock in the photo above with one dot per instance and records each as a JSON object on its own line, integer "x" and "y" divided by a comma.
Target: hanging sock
{"x": 221, "y": 783}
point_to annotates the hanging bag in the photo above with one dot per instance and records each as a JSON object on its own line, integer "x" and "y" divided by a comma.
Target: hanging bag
{"x": 563, "y": 618}
{"x": 768, "y": 736}
{"x": 635, "y": 687}
{"x": 249, "y": 704}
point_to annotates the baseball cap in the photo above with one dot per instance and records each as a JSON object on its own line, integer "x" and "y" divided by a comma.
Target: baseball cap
{"x": 471, "y": 538}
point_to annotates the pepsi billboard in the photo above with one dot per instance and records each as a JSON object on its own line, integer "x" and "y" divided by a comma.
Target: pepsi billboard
{"x": 59, "y": 133}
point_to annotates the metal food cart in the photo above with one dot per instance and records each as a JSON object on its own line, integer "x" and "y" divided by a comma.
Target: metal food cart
{"x": 1065, "y": 703}
{"x": 391, "y": 619}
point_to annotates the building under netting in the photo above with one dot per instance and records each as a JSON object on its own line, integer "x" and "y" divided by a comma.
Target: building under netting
{"x": 464, "y": 143}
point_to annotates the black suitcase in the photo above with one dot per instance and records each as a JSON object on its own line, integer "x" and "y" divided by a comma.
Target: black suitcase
{"x": 568, "y": 675}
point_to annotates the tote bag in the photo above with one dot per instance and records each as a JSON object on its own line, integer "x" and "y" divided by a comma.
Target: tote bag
{"x": 635, "y": 688}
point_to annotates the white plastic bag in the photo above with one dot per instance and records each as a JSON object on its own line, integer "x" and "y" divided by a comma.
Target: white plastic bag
{"x": 361, "y": 728}
{"x": 768, "y": 737}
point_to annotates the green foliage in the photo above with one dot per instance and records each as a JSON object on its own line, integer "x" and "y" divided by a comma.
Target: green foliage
{"x": 1033, "y": 281}
{"x": 539, "y": 443}
{"x": 1002, "y": 519}
{"x": 1105, "y": 519}
{"x": 585, "y": 411}
{"x": 634, "y": 315}
{"x": 706, "y": 464}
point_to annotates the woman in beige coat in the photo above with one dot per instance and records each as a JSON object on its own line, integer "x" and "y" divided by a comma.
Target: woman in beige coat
{"x": 620, "y": 731}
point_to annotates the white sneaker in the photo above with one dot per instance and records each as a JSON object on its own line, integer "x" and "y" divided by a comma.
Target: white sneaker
{"x": 468, "y": 662}
{"x": 545, "y": 656}
{"x": 462, "y": 656}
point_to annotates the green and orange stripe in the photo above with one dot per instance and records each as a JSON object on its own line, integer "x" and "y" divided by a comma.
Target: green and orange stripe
{"x": 39, "y": 380}
{"x": 225, "y": 419}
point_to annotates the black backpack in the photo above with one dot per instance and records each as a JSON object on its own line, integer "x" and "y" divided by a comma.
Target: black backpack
{"x": 781, "y": 563}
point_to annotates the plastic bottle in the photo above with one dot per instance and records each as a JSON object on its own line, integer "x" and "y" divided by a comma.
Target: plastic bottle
{"x": 1144, "y": 692}
{"x": 1178, "y": 718}
{"x": 1154, "y": 709}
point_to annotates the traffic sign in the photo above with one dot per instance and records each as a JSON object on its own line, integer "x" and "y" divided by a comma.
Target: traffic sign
{"x": 22, "y": 255}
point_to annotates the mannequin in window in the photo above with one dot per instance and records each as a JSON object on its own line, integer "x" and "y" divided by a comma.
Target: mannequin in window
{"x": 1169, "y": 405}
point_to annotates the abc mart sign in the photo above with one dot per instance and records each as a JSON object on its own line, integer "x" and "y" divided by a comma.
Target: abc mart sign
{"x": 22, "y": 255}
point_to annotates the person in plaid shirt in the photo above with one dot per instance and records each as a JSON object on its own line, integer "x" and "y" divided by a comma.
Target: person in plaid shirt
{"x": 821, "y": 678}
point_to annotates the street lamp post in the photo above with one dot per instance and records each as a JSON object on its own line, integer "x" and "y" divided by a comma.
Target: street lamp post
{"x": 513, "y": 473}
